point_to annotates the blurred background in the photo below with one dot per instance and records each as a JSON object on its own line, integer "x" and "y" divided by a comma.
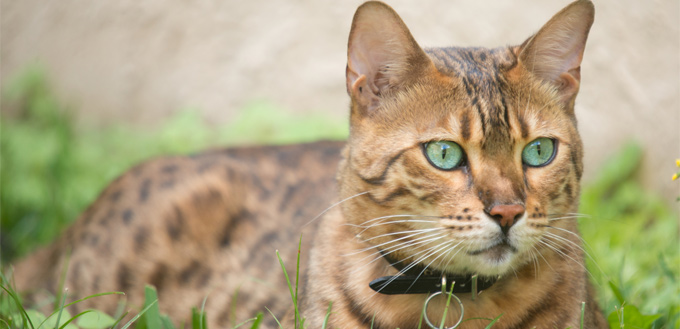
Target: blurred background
{"x": 91, "y": 87}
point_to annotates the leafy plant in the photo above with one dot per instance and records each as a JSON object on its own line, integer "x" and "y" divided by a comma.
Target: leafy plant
{"x": 632, "y": 238}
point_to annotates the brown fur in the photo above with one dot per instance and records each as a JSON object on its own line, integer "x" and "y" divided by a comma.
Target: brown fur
{"x": 208, "y": 225}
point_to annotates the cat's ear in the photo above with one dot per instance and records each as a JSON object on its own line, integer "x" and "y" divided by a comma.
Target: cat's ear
{"x": 382, "y": 55}
{"x": 554, "y": 54}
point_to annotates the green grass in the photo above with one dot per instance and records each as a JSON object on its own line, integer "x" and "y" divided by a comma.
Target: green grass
{"x": 51, "y": 171}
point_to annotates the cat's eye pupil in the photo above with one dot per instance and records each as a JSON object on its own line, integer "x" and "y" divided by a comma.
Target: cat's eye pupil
{"x": 539, "y": 152}
{"x": 445, "y": 155}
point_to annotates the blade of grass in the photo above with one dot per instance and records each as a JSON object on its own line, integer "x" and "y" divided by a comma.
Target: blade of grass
{"x": 493, "y": 322}
{"x": 73, "y": 318}
{"x": 167, "y": 323}
{"x": 448, "y": 302}
{"x": 583, "y": 312}
{"x": 61, "y": 310}
{"x": 153, "y": 315}
{"x": 24, "y": 315}
{"x": 272, "y": 313}
{"x": 195, "y": 321}
{"x": 290, "y": 287}
{"x": 62, "y": 280}
{"x": 233, "y": 306}
{"x": 115, "y": 324}
{"x": 203, "y": 323}
{"x": 95, "y": 295}
{"x": 297, "y": 278}
{"x": 127, "y": 325}
{"x": 198, "y": 319}
{"x": 259, "y": 314}
{"x": 257, "y": 321}
{"x": 328, "y": 315}
{"x": 617, "y": 292}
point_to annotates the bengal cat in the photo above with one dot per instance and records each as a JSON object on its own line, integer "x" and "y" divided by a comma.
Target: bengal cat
{"x": 461, "y": 170}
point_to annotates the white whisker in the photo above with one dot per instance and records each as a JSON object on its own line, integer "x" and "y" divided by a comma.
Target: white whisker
{"x": 333, "y": 206}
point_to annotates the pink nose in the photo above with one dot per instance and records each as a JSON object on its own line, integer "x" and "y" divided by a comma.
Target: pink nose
{"x": 507, "y": 214}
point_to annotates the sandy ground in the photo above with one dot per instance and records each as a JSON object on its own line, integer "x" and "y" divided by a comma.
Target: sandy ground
{"x": 138, "y": 61}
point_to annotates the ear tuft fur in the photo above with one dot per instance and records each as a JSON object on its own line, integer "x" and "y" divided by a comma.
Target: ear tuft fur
{"x": 554, "y": 54}
{"x": 382, "y": 55}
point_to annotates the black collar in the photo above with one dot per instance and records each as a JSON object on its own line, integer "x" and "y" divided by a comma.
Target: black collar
{"x": 418, "y": 280}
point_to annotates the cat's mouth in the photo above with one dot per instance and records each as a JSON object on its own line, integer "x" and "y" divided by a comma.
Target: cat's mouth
{"x": 495, "y": 251}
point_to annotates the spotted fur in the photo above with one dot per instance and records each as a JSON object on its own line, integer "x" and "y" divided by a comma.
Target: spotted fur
{"x": 208, "y": 225}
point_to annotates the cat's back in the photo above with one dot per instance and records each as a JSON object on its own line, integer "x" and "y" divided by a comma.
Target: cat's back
{"x": 193, "y": 224}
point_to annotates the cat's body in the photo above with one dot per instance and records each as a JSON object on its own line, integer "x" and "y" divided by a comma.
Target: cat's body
{"x": 460, "y": 161}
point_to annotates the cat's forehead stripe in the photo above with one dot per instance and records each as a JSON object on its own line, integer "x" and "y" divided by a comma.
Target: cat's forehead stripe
{"x": 480, "y": 72}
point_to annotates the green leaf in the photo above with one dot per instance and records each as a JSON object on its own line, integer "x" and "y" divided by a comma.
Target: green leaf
{"x": 95, "y": 320}
{"x": 258, "y": 320}
{"x": 617, "y": 293}
{"x": 167, "y": 323}
{"x": 630, "y": 317}
{"x": 198, "y": 320}
{"x": 63, "y": 318}
{"x": 129, "y": 323}
{"x": 152, "y": 317}
{"x": 35, "y": 317}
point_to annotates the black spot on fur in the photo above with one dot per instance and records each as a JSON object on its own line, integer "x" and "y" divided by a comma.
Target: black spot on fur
{"x": 104, "y": 220}
{"x": 159, "y": 276}
{"x": 288, "y": 159}
{"x": 568, "y": 190}
{"x": 189, "y": 271}
{"x": 94, "y": 240}
{"x": 196, "y": 272}
{"x": 96, "y": 283}
{"x": 169, "y": 168}
{"x": 140, "y": 239}
{"x": 125, "y": 278}
{"x": 287, "y": 196}
{"x": 128, "y": 214}
{"x": 115, "y": 196}
{"x": 205, "y": 166}
{"x": 167, "y": 184}
{"x": 144, "y": 190}
{"x": 265, "y": 192}
{"x": 175, "y": 224}
{"x": 232, "y": 223}
{"x": 204, "y": 200}
{"x": 204, "y": 277}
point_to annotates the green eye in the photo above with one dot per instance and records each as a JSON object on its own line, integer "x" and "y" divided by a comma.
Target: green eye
{"x": 444, "y": 154}
{"x": 539, "y": 152}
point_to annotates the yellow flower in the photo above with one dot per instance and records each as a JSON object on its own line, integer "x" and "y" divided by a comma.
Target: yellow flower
{"x": 675, "y": 176}
{"x": 677, "y": 162}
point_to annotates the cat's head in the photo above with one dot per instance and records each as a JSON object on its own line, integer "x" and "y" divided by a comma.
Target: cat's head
{"x": 468, "y": 158}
